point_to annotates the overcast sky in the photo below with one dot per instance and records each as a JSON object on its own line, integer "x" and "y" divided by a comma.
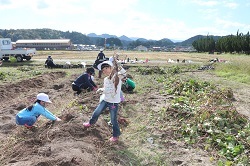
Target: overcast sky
{"x": 150, "y": 19}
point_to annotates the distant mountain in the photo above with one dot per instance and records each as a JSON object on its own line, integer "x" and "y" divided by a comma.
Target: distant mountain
{"x": 101, "y": 36}
{"x": 142, "y": 40}
{"x": 134, "y": 38}
{"x": 125, "y": 38}
{"x": 176, "y": 41}
{"x": 92, "y": 38}
{"x": 108, "y": 36}
{"x": 166, "y": 40}
{"x": 192, "y": 39}
{"x": 92, "y": 35}
{"x": 129, "y": 39}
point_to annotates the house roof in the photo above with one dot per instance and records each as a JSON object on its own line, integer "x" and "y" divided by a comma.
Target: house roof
{"x": 44, "y": 41}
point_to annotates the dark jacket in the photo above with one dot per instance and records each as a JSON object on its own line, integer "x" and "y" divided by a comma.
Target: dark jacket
{"x": 101, "y": 56}
{"x": 49, "y": 62}
{"x": 84, "y": 81}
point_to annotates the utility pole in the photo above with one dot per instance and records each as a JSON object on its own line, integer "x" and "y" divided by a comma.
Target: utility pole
{"x": 105, "y": 43}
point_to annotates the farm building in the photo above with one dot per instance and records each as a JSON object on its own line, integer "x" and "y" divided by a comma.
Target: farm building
{"x": 45, "y": 44}
{"x": 141, "y": 48}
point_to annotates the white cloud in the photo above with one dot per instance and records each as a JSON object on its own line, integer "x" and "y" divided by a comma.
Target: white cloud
{"x": 209, "y": 13}
{"x": 5, "y": 2}
{"x": 232, "y": 26}
{"x": 231, "y": 5}
{"x": 111, "y": 6}
{"x": 131, "y": 17}
{"x": 42, "y": 5}
{"x": 204, "y": 2}
{"x": 215, "y": 3}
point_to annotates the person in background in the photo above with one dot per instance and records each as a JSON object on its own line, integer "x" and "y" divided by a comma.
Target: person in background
{"x": 100, "y": 58}
{"x": 128, "y": 85}
{"x": 28, "y": 116}
{"x": 49, "y": 62}
{"x": 112, "y": 90}
{"x": 85, "y": 81}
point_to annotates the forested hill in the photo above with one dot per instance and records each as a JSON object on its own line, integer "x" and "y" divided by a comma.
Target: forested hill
{"x": 194, "y": 38}
{"x": 15, "y": 35}
{"x": 79, "y": 38}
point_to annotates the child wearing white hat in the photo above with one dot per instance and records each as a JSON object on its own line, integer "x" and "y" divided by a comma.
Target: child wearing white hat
{"x": 28, "y": 116}
{"x": 111, "y": 99}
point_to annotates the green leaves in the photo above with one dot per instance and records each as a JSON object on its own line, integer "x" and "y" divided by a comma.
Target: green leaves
{"x": 208, "y": 117}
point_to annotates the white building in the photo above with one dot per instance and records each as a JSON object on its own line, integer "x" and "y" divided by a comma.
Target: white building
{"x": 141, "y": 48}
{"x": 42, "y": 44}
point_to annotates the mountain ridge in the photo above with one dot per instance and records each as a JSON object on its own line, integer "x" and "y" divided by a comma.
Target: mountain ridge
{"x": 93, "y": 38}
{"x": 130, "y": 39}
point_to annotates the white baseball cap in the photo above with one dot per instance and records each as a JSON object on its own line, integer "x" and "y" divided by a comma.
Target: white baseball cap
{"x": 43, "y": 97}
{"x": 105, "y": 62}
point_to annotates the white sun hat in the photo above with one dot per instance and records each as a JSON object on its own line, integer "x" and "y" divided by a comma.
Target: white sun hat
{"x": 43, "y": 97}
{"x": 105, "y": 62}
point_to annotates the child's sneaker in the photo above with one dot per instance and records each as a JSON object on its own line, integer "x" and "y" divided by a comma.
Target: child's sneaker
{"x": 113, "y": 139}
{"x": 86, "y": 124}
{"x": 27, "y": 126}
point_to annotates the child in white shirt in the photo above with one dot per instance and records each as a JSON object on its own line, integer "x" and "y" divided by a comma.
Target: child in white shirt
{"x": 112, "y": 90}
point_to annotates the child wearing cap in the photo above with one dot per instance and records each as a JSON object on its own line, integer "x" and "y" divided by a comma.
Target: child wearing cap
{"x": 85, "y": 81}
{"x": 112, "y": 90}
{"x": 28, "y": 116}
{"x": 128, "y": 85}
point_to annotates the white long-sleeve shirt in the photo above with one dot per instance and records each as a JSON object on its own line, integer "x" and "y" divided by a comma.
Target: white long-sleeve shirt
{"x": 112, "y": 95}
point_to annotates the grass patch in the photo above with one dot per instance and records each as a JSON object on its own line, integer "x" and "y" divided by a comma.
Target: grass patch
{"x": 238, "y": 70}
{"x": 14, "y": 74}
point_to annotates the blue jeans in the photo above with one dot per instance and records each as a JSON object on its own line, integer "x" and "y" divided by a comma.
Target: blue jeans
{"x": 29, "y": 120}
{"x": 113, "y": 109}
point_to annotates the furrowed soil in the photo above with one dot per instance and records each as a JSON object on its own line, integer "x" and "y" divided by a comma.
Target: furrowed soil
{"x": 68, "y": 143}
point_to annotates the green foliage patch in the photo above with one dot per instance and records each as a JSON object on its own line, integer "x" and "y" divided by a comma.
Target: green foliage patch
{"x": 209, "y": 118}
{"x": 238, "y": 71}
{"x": 2, "y": 75}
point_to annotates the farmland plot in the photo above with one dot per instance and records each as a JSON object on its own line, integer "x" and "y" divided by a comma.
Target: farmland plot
{"x": 156, "y": 130}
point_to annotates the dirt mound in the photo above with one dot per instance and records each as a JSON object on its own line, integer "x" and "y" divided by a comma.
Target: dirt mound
{"x": 17, "y": 96}
{"x": 66, "y": 143}
{"x": 59, "y": 143}
{"x": 12, "y": 91}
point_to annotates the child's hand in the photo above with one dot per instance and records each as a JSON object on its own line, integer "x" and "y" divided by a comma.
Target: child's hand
{"x": 99, "y": 90}
{"x": 58, "y": 119}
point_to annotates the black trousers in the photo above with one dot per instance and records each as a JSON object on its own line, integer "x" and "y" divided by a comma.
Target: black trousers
{"x": 79, "y": 89}
{"x": 76, "y": 88}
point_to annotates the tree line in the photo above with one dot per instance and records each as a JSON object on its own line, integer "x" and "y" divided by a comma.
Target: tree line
{"x": 75, "y": 37}
{"x": 238, "y": 43}
{"x": 79, "y": 38}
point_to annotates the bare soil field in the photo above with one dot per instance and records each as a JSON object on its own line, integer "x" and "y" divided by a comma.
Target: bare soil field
{"x": 68, "y": 143}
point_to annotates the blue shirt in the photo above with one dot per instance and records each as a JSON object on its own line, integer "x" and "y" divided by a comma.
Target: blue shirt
{"x": 36, "y": 111}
